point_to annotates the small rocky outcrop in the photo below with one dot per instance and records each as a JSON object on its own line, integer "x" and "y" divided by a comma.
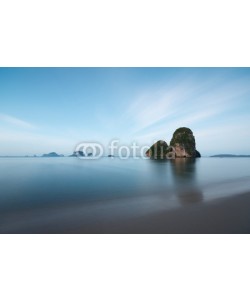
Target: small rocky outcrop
{"x": 197, "y": 154}
{"x": 158, "y": 151}
{"x": 77, "y": 154}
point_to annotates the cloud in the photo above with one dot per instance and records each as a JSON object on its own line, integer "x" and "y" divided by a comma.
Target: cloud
{"x": 155, "y": 106}
{"x": 185, "y": 102}
{"x": 16, "y": 122}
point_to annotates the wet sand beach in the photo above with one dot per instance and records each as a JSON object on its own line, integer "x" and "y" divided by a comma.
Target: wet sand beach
{"x": 226, "y": 215}
{"x": 221, "y": 216}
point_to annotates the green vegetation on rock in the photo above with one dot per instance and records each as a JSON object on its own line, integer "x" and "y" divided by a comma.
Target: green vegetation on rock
{"x": 158, "y": 151}
{"x": 183, "y": 138}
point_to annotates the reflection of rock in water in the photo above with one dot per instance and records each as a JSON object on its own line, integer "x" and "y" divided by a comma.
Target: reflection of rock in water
{"x": 184, "y": 177}
{"x": 159, "y": 167}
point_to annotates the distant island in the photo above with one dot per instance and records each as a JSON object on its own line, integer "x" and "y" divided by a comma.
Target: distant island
{"x": 229, "y": 155}
{"x": 77, "y": 154}
{"x": 52, "y": 154}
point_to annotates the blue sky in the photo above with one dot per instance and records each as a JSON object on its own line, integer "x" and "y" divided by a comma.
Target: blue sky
{"x": 53, "y": 109}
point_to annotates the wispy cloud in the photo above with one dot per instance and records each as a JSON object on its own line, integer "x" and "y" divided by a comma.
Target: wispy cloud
{"x": 16, "y": 122}
{"x": 185, "y": 102}
{"x": 154, "y": 106}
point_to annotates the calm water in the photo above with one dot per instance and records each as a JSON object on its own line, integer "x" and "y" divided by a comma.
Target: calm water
{"x": 37, "y": 190}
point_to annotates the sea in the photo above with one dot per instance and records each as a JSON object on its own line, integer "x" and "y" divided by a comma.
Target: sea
{"x": 63, "y": 194}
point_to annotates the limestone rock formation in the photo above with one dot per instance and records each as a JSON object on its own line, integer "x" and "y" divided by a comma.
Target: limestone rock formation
{"x": 181, "y": 145}
{"x": 183, "y": 142}
{"x": 158, "y": 151}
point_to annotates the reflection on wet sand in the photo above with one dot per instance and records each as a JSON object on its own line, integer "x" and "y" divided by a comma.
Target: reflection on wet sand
{"x": 184, "y": 178}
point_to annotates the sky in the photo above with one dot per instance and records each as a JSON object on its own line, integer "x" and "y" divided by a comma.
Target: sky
{"x": 54, "y": 109}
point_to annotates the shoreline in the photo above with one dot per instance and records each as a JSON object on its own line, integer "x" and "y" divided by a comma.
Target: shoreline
{"x": 225, "y": 215}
